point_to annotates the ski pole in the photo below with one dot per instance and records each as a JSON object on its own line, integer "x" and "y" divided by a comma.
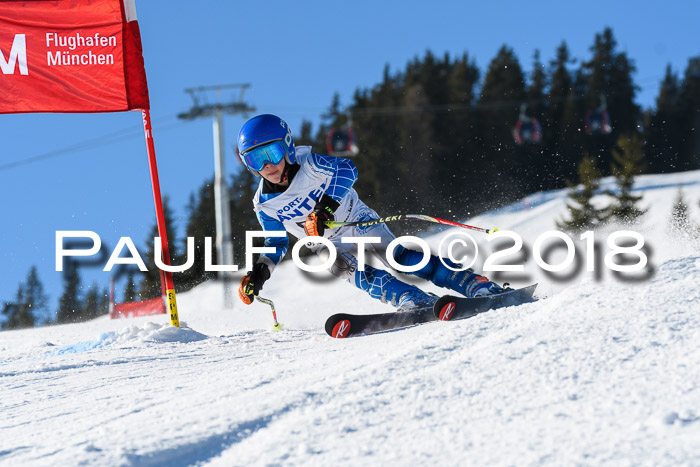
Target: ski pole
{"x": 421, "y": 217}
{"x": 277, "y": 326}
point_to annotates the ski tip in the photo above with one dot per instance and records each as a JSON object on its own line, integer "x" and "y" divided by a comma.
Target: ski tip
{"x": 341, "y": 329}
{"x": 447, "y": 311}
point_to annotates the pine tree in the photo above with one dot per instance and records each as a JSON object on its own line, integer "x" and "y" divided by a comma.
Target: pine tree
{"x": 680, "y": 222}
{"x": 416, "y": 139}
{"x": 70, "y": 308}
{"x": 679, "y": 213}
{"x": 35, "y": 297}
{"x": 243, "y": 187}
{"x": 689, "y": 108}
{"x": 501, "y": 95}
{"x": 574, "y": 139}
{"x": 376, "y": 129}
{"x": 18, "y": 314}
{"x": 425, "y": 135}
{"x": 531, "y": 163}
{"x": 627, "y": 162}
{"x": 609, "y": 75}
{"x": 201, "y": 223}
{"x": 536, "y": 101}
{"x": 459, "y": 142}
{"x": 665, "y": 128}
{"x": 304, "y": 137}
{"x": 7, "y": 310}
{"x": 130, "y": 294}
{"x": 333, "y": 117}
{"x": 31, "y": 305}
{"x": 92, "y": 302}
{"x": 561, "y": 122}
{"x": 104, "y": 301}
{"x": 583, "y": 214}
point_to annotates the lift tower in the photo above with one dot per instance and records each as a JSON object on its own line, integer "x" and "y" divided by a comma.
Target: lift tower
{"x": 208, "y": 102}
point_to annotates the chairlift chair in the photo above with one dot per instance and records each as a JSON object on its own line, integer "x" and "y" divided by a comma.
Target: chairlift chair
{"x": 341, "y": 142}
{"x": 598, "y": 121}
{"x": 527, "y": 129}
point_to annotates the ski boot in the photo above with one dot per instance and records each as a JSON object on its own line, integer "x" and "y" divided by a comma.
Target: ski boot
{"x": 415, "y": 299}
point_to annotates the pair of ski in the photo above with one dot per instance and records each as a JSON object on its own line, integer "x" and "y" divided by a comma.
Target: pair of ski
{"x": 445, "y": 309}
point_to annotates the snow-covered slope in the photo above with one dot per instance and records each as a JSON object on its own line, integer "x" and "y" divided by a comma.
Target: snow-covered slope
{"x": 599, "y": 371}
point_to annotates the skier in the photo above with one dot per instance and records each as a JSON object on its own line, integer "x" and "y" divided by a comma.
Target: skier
{"x": 301, "y": 190}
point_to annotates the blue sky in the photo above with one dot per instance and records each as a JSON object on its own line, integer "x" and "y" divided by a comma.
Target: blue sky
{"x": 90, "y": 171}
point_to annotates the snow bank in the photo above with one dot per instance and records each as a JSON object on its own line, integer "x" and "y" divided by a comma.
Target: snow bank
{"x": 599, "y": 371}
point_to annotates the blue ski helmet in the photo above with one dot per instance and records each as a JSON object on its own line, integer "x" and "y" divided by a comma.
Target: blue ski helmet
{"x": 265, "y": 139}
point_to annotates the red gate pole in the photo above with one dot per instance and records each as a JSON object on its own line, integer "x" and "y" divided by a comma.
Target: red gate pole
{"x": 160, "y": 217}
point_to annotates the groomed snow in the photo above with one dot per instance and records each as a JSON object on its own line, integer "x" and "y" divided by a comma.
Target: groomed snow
{"x": 599, "y": 371}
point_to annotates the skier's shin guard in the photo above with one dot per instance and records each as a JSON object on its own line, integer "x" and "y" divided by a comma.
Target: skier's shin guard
{"x": 438, "y": 272}
{"x": 381, "y": 285}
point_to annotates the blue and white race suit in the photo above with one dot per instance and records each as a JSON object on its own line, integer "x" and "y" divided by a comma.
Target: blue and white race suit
{"x": 334, "y": 177}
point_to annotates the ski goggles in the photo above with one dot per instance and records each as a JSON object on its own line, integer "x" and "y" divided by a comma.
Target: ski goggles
{"x": 271, "y": 153}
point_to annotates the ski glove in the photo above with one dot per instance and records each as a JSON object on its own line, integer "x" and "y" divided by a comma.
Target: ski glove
{"x": 252, "y": 283}
{"x": 315, "y": 224}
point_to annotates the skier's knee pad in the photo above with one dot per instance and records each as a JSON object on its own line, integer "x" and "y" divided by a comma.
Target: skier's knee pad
{"x": 344, "y": 266}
